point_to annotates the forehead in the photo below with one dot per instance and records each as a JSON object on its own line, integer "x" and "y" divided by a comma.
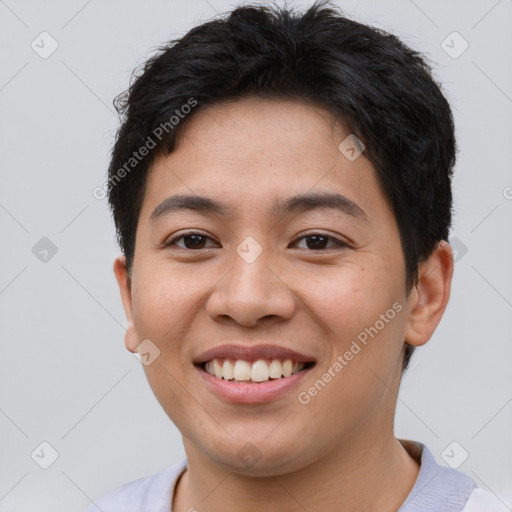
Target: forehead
{"x": 252, "y": 152}
{"x": 276, "y": 129}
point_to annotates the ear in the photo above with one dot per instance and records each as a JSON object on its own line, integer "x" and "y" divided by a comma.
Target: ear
{"x": 131, "y": 339}
{"x": 429, "y": 297}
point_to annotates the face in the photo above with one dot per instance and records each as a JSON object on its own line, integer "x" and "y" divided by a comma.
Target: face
{"x": 258, "y": 273}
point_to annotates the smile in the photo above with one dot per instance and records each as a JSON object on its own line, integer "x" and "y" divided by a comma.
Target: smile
{"x": 261, "y": 370}
{"x": 252, "y": 374}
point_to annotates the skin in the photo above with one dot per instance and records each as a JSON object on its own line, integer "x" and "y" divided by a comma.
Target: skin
{"x": 339, "y": 449}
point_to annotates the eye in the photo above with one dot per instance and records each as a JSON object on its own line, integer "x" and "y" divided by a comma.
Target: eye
{"x": 192, "y": 240}
{"x": 195, "y": 240}
{"x": 318, "y": 241}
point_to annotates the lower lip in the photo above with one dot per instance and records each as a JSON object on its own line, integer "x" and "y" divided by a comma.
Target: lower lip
{"x": 245, "y": 393}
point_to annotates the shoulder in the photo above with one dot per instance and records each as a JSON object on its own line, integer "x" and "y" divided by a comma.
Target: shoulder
{"x": 484, "y": 501}
{"x": 444, "y": 489}
{"x": 148, "y": 493}
{"x": 437, "y": 488}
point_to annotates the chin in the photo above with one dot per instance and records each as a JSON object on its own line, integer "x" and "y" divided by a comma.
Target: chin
{"x": 259, "y": 456}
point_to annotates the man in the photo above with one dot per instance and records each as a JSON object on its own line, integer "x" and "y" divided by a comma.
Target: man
{"x": 281, "y": 191}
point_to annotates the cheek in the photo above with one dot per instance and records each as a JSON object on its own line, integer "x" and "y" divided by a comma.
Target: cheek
{"x": 363, "y": 310}
{"x": 352, "y": 298}
{"x": 163, "y": 305}
{"x": 353, "y": 386}
{"x": 162, "y": 302}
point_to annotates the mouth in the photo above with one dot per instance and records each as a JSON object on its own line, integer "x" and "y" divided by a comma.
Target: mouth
{"x": 258, "y": 371}
{"x": 245, "y": 368}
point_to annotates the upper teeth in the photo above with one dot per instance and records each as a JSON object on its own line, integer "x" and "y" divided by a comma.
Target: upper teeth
{"x": 259, "y": 371}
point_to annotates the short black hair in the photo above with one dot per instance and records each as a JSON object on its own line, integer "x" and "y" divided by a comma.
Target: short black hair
{"x": 373, "y": 84}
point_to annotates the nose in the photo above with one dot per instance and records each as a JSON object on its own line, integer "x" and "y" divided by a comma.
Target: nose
{"x": 250, "y": 293}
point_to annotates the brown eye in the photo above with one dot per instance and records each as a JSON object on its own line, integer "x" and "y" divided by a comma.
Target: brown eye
{"x": 318, "y": 241}
{"x": 191, "y": 241}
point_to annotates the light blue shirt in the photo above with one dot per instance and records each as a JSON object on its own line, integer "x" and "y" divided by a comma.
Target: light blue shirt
{"x": 437, "y": 489}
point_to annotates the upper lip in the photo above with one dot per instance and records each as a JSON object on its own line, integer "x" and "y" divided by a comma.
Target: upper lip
{"x": 252, "y": 353}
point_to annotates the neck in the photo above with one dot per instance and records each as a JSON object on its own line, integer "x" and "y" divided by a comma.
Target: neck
{"x": 375, "y": 475}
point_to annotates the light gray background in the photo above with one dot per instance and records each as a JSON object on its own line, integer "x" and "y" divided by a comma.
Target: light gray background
{"x": 65, "y": 375}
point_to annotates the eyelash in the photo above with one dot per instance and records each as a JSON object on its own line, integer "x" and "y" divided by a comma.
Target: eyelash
{"x": 337, "y": 242}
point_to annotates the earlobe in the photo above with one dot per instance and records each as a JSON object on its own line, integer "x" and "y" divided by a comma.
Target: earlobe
{"x": 131, "y": 339}
{"x": 429, "y": 298}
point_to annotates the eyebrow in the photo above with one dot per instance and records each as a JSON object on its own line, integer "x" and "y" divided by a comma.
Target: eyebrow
{"x": 295, "y": 204}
